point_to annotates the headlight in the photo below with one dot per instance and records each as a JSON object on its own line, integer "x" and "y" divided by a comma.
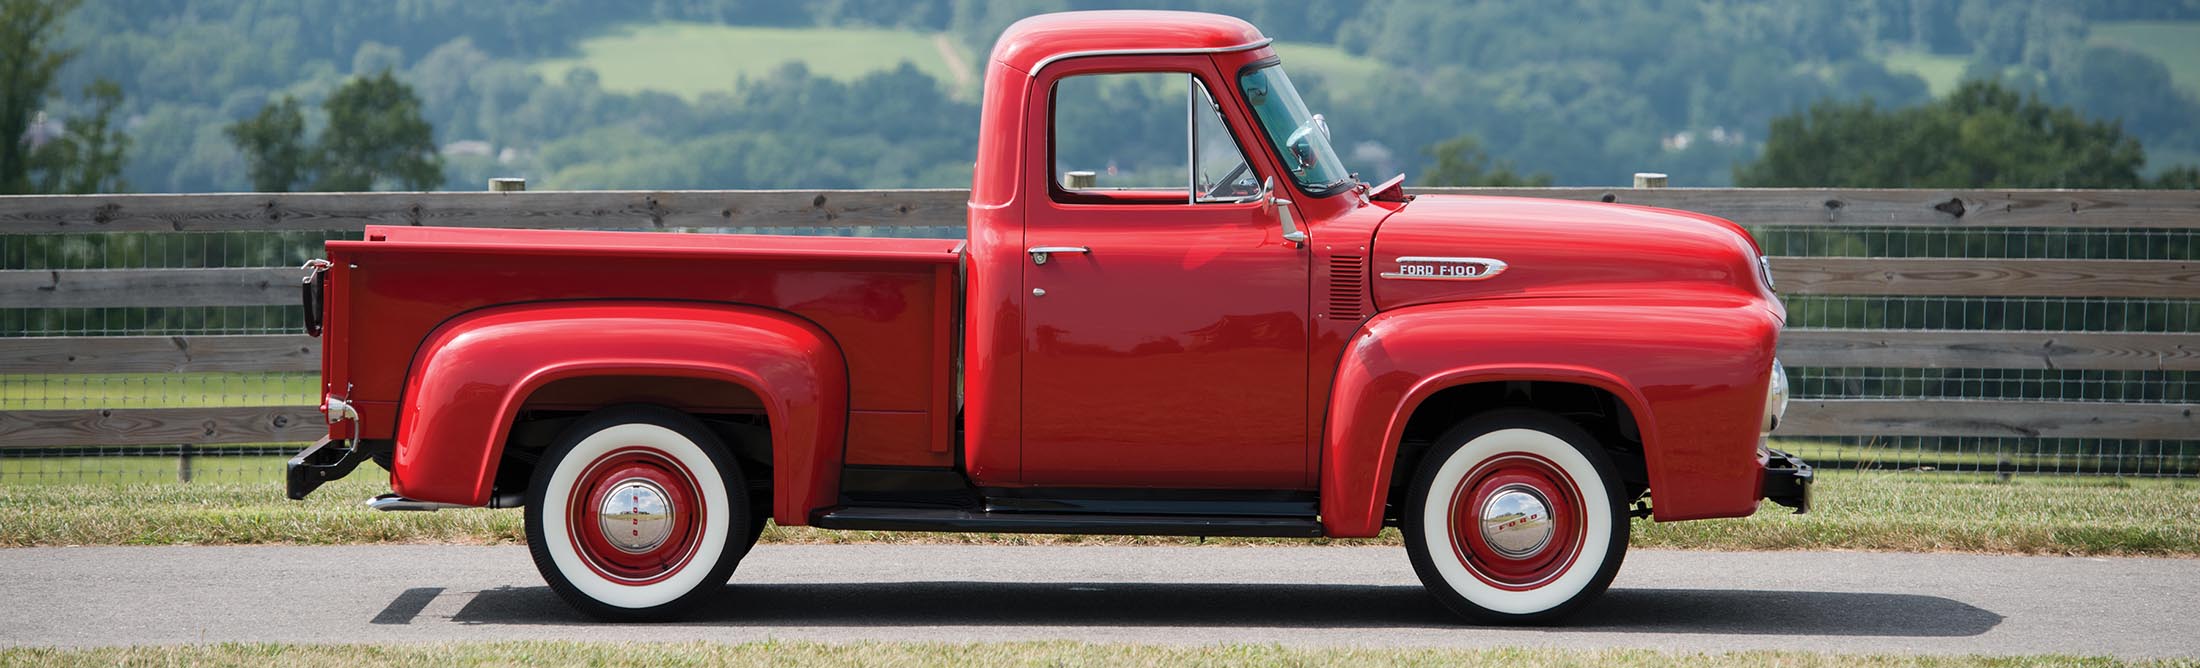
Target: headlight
{"x": 1776, "y": 396}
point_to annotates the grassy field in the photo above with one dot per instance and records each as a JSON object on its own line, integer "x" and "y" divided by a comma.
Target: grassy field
{"x": 1941, "y": 73}
{"x": 1057, "y": 653}
{"x": 255, "y": 469}
{"x": 2176, "y": 43}
{"x": 1342, "y": 74}
{"x": 1859, "y": 511}
{"x": 690, "y": 59}
{"x": 156, "y": 390}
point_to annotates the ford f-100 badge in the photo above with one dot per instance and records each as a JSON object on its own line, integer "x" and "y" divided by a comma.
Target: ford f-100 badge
{"x": 1447, "y": 268}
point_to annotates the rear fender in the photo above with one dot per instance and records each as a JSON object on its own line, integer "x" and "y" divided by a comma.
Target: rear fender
{"x": 1693, "y": 375}
{"x": 472, "y": 375}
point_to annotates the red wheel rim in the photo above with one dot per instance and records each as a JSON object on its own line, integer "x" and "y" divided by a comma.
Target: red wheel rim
{"x": 622, "y": 472}
{"x": 1514, "y": 568}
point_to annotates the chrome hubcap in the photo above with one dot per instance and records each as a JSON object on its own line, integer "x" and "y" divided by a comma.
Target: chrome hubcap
{"x": 1516, "y": 521}
{"x": 636, "y": 516}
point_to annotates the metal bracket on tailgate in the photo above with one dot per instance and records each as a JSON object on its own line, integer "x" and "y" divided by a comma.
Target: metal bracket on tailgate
{"x": 312, "y": 287}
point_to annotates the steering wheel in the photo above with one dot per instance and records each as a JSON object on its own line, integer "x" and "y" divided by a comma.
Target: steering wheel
{"x": 1227, "y": 181}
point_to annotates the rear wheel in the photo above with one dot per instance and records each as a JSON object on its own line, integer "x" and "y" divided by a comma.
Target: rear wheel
{"x": 757, "y": 516}
{"x": 1516, "y": 517}
{"x": 629, "y": 515}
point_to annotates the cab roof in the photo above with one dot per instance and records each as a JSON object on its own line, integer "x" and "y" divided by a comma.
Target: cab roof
{"x": 1033, "y": 42}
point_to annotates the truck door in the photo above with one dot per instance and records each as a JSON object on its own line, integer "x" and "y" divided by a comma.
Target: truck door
{"x": 1165, "y": 314}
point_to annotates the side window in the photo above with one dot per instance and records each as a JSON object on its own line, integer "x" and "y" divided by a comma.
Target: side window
{"x": 1220, "y": 171}
{"x": 1145, "y": 138}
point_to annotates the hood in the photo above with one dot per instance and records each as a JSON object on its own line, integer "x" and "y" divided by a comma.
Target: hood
{"x": 1521, "y": 247}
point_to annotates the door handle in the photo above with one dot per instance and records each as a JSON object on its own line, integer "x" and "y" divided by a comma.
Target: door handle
{"x": 1039, "y": 254}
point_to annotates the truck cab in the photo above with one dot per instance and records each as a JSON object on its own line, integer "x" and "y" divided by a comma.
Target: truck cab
{"x": 1220, "y": 332}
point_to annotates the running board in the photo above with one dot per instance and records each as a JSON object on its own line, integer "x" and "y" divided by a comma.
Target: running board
{"x": 394, "y": 503}
{"x": 964, "y": 521}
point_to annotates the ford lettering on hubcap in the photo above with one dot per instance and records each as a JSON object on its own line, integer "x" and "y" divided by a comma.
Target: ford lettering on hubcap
{"x": 637, "y": 516}
{"x": 1516, "y": 521}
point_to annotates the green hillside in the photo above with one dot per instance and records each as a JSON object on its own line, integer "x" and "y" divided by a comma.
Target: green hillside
{"x": 2176, "y": 43}
{"x": 689, "y": 59}
{"x": 1342, "y": 73}
{"x": 1940, "y": 72}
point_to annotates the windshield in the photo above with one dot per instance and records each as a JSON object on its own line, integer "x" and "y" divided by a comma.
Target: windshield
{"x": 1299, "y": 136}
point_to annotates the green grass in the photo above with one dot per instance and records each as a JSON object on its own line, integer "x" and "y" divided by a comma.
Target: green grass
{"x": 1940, "y": 72}
{"x": 1053, "y": 653}
{"x": 690, "y": 59}
{"x": 1860, "y": 511}
{"x": 156, "y": 390}
{"x": 2176, "y": 43}
{"x": 253, "y": 469}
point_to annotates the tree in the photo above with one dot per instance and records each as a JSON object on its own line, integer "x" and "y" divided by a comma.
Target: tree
{"x": 274, "y": 146}
{"x": 1460, "y": 161}
{"x": 87, "y": 158}
{"x": 29, "y": 30}
{"x": 2181, "y": 177}
{"x": 1981, "y": 136}
{"x": 375, "y": 133}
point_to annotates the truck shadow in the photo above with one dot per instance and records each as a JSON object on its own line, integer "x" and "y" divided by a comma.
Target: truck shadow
{"x": 1720, "y": 611}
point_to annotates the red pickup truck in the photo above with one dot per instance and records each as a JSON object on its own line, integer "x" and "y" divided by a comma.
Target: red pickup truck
{"x": 1245, "y": 340}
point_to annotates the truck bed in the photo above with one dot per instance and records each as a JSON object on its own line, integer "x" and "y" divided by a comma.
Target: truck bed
{"x": 889, "y": 303}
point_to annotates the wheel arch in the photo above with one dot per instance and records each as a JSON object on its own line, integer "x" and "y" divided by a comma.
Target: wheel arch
{"x": 1432, "y": 403}
{"x": 1690, "y": 375}
{"x": 1595, "y": 401}
{"x": 475, "y": 374}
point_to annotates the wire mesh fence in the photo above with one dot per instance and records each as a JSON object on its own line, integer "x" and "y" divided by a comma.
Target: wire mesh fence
{"x": 252, "y": 463}
{"x": 2173, "y": 313}
{"x": 2007, "y": 243}
{"x": 146, "y": 464}
{"x": 2001, "y": 455}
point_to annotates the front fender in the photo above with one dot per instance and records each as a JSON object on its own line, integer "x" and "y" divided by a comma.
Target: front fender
{"x": 473, "y": 373}
{"x": 1693, "y": 373}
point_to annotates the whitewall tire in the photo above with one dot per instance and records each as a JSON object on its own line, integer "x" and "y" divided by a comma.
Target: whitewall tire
{"x": 1515, "y": 516}
{"x": 636, "y": 512}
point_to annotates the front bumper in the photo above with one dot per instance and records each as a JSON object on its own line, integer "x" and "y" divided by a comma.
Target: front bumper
{"x": 1787, "y": 481}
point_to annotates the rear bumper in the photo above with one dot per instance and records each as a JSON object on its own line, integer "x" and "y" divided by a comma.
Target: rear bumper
{"x": 325, "y": 460}
{"x": 1787, "y": 481}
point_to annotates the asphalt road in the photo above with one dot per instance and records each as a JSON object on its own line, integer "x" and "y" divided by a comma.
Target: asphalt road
{"x": 1691, "y": 601}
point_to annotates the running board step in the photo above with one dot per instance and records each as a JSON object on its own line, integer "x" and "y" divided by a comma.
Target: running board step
{"x": 937, "y": 519}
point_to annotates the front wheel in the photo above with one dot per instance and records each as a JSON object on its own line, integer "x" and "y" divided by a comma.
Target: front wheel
{"x": 629, "y": 515}
{"x": 1515, "y": 516}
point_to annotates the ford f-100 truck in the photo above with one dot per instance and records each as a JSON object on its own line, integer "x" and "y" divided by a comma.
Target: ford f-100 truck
{"x": 1257, "y": 344}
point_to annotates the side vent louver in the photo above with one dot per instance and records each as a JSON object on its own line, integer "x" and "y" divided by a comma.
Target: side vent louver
{"x": 1347, "y": 286}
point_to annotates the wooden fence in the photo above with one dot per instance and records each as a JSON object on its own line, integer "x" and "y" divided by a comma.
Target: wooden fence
{"x": 2176, "y": 351}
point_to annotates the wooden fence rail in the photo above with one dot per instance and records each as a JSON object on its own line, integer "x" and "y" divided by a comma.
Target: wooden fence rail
{"x": 871, "y": 211}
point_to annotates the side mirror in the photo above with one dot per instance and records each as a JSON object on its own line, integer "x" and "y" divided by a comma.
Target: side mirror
{"x": 1282, "y": 208}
